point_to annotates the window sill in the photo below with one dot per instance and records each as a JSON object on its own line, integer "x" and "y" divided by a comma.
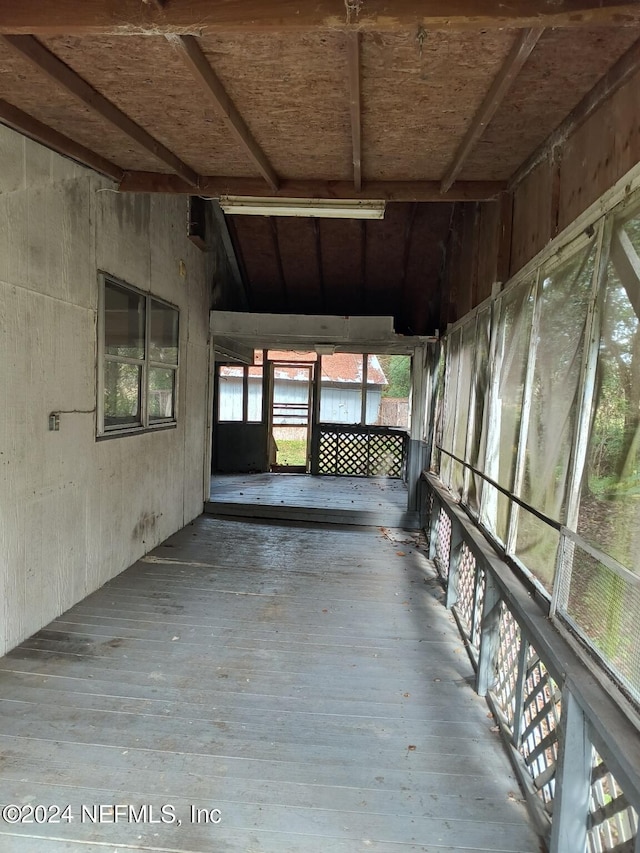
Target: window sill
{"x": 118, "y": 433}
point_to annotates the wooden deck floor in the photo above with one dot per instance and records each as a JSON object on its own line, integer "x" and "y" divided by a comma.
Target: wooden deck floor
{"x": 305, "y": 681}
{"x": 301, "y": 497}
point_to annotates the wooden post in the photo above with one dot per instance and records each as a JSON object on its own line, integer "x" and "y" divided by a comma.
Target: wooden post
{"x": 489, "y": 636}
{"x": 520, "y": 683}
{"x": 573, "y": 781}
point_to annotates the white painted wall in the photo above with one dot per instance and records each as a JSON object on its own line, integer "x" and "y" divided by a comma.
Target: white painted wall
{"x": 74, "y": 511}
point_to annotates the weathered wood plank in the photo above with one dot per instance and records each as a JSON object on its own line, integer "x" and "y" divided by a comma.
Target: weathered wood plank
{"x": 181, "y": 682}
{"x": 217, "y": 185}
{"x": 47, "y": 17}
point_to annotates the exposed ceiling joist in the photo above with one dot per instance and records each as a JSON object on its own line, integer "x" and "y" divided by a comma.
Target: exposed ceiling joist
{"x": 156, "y": 182}
{"x": 503, "y": 81}
{"x": 128, "y": 17}
{"x": 625, "y": 68}
{"x": 196, "y": 61}
{"x": 30, "y": 49}
{"x": 31, "y": 127}
{"x": 353, "y": 62}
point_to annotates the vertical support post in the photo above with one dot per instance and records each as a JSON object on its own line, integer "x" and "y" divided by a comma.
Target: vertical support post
{"x": 208, "y": 433}
{"x": 488, "y": 508}
{"x": 518, "y": 714}
{"x": 489, "y": 636}
{"x": 527, "y": 393}
{"x": 414, "y": 446}
{"x": 573, "y": 780}
{"x": 365, "y": 378}
{"x": 245, "y": 393}
{"x": 315, "y": 418}
{"x": 455, "y": 553}
{"x": 466, "y": 474}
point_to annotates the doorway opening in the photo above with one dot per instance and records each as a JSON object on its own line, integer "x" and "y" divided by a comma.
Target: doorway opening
{"x": 291, "y": 395}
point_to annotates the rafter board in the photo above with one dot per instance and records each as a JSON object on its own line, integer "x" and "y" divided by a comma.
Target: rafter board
{"x": 517, "y": 57}
{"x": 291, "y": 90}
{"x": 214, "y": 186}
{"x": 148, "y": 81}
{"x": 47, "y": 17}
{"x": 564, "y": 66}
{"x": 22, "y": 86}
{"x": 416, "y": 107}
{"x": 51, "y": 66}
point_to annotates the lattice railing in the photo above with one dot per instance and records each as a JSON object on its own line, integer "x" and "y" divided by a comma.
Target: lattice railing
{"x": 442, "y": 546}
{"x": 612, "y": 822}
{"x": 530, "y": 698}
{"x": 538, "y": 739}
{"x": 506, "y": 667}
{"x": 354, "y": 451}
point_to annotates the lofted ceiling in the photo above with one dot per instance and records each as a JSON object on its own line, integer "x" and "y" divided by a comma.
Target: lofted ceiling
{"x": 420, "y": 103}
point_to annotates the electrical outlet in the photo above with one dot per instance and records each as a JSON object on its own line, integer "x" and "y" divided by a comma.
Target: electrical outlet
{"x": 54, "y": 422}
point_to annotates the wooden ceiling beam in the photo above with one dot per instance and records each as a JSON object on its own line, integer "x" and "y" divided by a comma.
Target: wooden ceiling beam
{"x": 28, "y": 126}
{"x": 35, "y": 53}
{"x": 193, "y": 57}
{"x": 353, "y": 63}
{"x": 618, "y": 75}
{"x": 197, "y": 17}
{"x": 518, "y": 55}
{"x": 214, "y": 186}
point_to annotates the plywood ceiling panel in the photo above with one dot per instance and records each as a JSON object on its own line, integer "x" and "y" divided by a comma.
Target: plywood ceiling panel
{"x": 565, "y": 65}
{"x": 146, "y": 78}
{"x": 419, "y": 98}
{"x": 292, "y": 91}
{"x": 25, "y": 87}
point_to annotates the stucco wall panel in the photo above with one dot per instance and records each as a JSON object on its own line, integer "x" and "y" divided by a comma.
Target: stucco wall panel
{"x": 75, "y": 511}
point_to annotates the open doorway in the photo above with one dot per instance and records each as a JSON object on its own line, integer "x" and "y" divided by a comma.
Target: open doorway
{"x": 291, "y": 394}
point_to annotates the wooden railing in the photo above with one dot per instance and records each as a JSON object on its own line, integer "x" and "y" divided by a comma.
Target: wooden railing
{"x": 573, "y": 742}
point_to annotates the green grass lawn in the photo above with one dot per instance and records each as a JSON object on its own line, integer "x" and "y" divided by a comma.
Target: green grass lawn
{"x": 292, "y": 452}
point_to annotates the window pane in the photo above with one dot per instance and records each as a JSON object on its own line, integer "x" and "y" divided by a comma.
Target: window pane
{"x": 513, "y": 345}
{"x": 123, "y": 321}
{"x": 610, "y": 497}
{"x": 564, "y": 299}
{"x": 480, "y": 380}
{"x": 254, "y": 407}
{"x": 462, "y": 404}
{"x": 230, "y": 392}
{"x": 121, "y": 393}
{"x": 161, "y": 394}
{"x": 341, "y": 388}
{"x": 388, "y": 388}
{"x": 449, "y": 409}
{"x": 163, "y": 345}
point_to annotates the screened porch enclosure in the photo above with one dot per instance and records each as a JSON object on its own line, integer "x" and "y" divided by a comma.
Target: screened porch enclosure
{"x": 337, "y": 413}
{"x": 537, "y": 449}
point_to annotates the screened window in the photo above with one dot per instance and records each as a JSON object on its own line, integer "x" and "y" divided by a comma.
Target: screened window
{"x": 365, "y": 389}
{"x": 240, "y": 393}
{"x": 138, "y": 379}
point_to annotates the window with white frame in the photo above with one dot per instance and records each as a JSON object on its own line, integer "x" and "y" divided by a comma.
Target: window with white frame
{"x": 139, "y": 359}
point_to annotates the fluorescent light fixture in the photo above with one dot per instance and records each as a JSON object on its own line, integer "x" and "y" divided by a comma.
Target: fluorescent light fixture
{"x": 314, "y": 207}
